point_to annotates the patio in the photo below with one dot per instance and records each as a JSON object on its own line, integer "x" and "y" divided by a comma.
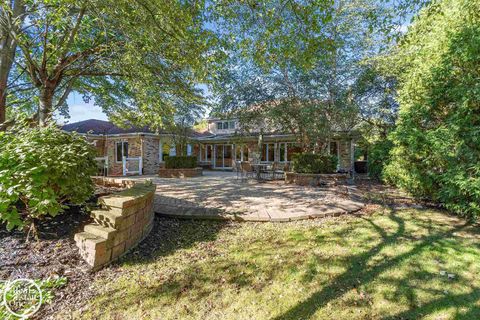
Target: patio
{"x": 219, "y": 195}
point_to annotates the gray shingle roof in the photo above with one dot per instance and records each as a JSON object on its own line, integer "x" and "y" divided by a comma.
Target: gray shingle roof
{"x": 95, "y": 126}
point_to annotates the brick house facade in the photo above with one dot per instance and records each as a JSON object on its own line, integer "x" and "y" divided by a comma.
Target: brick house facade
{"x": 217, "y": 148}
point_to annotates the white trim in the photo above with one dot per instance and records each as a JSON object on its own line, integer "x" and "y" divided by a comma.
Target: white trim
{"x": 116, "y": 143}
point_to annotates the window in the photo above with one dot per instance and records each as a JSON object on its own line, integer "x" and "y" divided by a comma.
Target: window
{"x": 121, "y": 150}
{"x": 225, "y": 125}
{"x": 268, "y": 152}
{"x": 165, "y": 151}
{"x": 238, "y": 152}
{"x": 283, "y": 152}
{"x": 189, "y": 149}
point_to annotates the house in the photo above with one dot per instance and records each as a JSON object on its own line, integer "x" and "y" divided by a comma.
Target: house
{"x": 142, "y": 151}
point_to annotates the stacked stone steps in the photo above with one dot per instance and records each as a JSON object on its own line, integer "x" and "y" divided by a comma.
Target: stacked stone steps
{"x": 124, "y": 220}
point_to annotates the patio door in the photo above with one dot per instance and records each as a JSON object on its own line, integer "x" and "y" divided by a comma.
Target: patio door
{"x": 223, "y": 156}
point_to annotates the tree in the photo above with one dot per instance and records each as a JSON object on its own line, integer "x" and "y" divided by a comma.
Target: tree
{"x": 436, "y": 151}
{"x": 8, "y": 48}
{"x": 308, "y": 91}
{"x": 131, "y": 57}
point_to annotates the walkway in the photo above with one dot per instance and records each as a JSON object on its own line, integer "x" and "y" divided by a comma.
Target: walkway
{"x": 219, "y": 195}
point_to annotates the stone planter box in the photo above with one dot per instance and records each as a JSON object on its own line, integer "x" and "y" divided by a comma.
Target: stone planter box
{"x": 180, "y": 173}
{"x": 312, "y": 179}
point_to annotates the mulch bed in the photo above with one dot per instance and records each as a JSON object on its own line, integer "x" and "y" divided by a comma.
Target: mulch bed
{"x": 53, "y": 255}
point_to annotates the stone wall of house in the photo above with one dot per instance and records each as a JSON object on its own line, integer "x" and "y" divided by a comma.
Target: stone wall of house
{"x": 151, "y": 149}
{"x": 345, "y": 161}
{"x": 125, "y": 219}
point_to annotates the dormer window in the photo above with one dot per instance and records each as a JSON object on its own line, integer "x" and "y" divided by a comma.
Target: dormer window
{"x": 225, "y": 125}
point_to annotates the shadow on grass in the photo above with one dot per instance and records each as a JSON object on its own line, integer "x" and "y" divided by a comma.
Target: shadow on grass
{"x": 169, "y": 235}
{"x": 360, "y": 272}
{"x": 409, "y": 235}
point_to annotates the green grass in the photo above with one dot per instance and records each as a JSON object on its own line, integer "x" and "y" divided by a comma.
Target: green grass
{"x": 382, "y": 266}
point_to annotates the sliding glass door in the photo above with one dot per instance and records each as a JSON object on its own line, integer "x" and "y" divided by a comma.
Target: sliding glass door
{"x": 223, "y": 155}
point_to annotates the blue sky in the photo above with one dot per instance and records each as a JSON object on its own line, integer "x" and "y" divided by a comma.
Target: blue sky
{"x": 79, "y": 110}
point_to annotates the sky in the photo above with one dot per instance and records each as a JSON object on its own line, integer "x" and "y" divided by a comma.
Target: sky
{"x": 79, "y": 110}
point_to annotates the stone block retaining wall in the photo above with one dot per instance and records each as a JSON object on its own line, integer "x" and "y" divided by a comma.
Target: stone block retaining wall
{"x": 180, "y": 173}
{"x": 125, "y": 219}
{"x": 307, "y": 179}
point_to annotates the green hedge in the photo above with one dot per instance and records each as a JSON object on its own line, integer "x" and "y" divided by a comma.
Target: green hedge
{"x": 181, "y": 162}
{"x": 313, "y": 163}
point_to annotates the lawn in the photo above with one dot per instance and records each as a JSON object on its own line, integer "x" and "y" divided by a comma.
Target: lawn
{"x": 383, "y": 265}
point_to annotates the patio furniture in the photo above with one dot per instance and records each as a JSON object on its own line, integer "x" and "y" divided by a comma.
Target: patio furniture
{"x": 247, "y": 170}
{"x": 260, "y": 168}
{"x": 277, "y": 170}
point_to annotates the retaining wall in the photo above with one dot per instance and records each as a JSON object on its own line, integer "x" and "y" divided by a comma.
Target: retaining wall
{"x": 125, "y": 219}
{"x": 311, "y": 179}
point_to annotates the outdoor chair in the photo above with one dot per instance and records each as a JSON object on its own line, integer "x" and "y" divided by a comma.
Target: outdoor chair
{"x": 246, "y": 170}
{"x": 237, "y": 168}
{"x": 277, "y": 171}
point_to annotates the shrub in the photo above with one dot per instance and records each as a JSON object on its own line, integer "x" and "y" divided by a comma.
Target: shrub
{"x": 42, "y": 170}
{"x": 436, "y": 151}
{"x": 180, "y": 162}
{"x": 313, "y": 163}
{"x": 378, "y": 157}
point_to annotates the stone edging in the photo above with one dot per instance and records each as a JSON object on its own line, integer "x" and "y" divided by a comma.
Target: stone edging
{"x": 180, "y": 173}
{"x": 125, "y": 219}
{"x": 310, "y": 179}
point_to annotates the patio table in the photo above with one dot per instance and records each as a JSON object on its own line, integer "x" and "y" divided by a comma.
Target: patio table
{"x": 259, "y": 167}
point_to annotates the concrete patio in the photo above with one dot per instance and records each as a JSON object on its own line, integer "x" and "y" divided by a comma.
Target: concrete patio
{"x": 220, "y": 195}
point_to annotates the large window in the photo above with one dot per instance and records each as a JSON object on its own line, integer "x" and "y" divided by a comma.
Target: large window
{"x": 121, "y": 150}
{"x": 268, "y": 152}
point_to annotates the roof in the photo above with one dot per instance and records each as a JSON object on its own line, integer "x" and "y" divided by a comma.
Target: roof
{"x": 95, "y": 126}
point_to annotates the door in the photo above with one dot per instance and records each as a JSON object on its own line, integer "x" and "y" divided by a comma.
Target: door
{"x": 223, "y": 155}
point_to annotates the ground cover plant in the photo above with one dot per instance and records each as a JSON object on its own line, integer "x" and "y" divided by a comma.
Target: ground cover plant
{"x": 388, "y": 264}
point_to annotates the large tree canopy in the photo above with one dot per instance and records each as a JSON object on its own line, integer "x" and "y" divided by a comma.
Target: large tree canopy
{"x": 137, "y": 59}
{"x": 307, "y": 90}
{"x": 437, "y": 139}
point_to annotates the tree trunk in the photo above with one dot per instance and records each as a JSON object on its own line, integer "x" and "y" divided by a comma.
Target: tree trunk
{"x": 45, "y": 107}
{"x": 7, "y": 55}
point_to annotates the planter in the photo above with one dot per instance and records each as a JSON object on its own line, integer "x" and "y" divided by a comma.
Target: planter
{"x": 180, "y": 173}
{"x": 313, "y": 179}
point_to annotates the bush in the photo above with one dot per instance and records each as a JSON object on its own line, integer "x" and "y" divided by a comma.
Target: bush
{"x": 378, "y": 157}
{"x": 313, "y": 163}
{"x": 181, "y": 162}
{"x": 436, "y": 152}
{"x": 41, "y": 170}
